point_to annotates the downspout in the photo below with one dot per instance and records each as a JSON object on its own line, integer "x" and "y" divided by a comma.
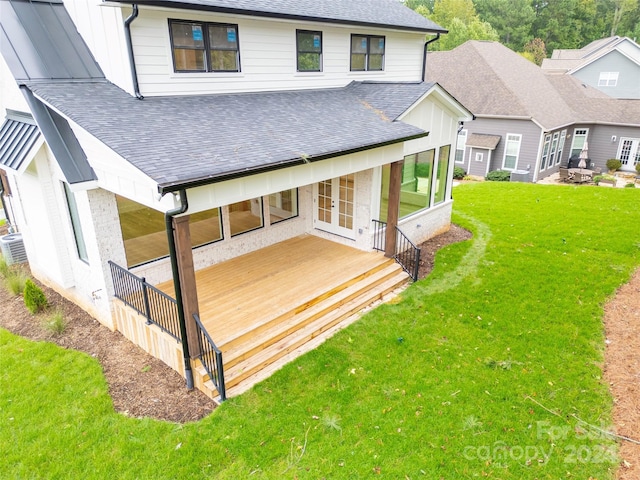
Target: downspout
{"x": 132, "y": 63}
{"x": 4, "y": 205}
{"x": 168, "y": 218}
{"x": 424, "y": 56}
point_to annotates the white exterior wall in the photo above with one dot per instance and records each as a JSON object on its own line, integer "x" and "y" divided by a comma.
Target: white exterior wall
{"x": 267, "y": 53}
{"x": 10, "y": 95}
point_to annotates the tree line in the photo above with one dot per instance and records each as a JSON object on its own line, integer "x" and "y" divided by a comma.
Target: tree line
{"x": 536, "y": 27}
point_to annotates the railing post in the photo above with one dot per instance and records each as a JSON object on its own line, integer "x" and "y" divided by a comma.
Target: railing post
{"x": 145, "y": 299}
{"x": 221, "y": 386}
{"x": 417, "y": 267}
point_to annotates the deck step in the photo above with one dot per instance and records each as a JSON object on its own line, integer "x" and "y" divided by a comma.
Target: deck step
{"x": 255, "y": 354}
{"x": 319, "y": 328}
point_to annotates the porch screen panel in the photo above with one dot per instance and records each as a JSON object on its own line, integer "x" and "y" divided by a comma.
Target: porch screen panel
{"x": 415, "y": 189}
{"x": 205, "y": 227}
{"x": 283, "y": 205}
{"x": 442, "y": 174}
{"x": 347, "y": 200}
{"x": 245, "y": 216}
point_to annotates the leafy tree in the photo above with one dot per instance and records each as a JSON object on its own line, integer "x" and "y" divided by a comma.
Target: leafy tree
{"x": 535, "y": 51}
{"x": 444, "y": 11}
{"x": 623, "y": 11}
{"x": 512, "y": 19}
{"x": 557, "y": 23}
{"x": 460, "y": 32}
{"x": 414, "y": 4}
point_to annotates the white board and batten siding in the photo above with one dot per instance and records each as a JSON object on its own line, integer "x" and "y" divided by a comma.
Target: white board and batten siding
{"x": 267, "y": 56}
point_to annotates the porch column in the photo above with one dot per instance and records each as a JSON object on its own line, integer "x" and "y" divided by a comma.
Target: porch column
{"x": 182, "y": 236}
{"x": 393, "y": 207}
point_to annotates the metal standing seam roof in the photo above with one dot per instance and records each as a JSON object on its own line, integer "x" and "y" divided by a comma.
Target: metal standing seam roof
{"x": 373, "y": 13}
{"x": 190, "y": 140}
{"x": 18, "y": 135}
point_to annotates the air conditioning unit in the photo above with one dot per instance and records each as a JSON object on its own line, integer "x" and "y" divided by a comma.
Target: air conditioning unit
{"x": 520, "y": 176}
{"x": 12, "y": 248}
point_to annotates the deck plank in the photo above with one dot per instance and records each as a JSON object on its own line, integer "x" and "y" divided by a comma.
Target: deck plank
{"x": 253, "y": 288}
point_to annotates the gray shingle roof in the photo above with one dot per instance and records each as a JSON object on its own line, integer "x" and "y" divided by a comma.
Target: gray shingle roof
{"x": 379, "y": 13}
{"x": 492, "y": 80}
{"x": 191, "y": 140}
{"x": 481, "y": 140}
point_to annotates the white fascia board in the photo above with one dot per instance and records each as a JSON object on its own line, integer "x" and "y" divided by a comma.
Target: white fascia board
{"x": 463, "y": 114}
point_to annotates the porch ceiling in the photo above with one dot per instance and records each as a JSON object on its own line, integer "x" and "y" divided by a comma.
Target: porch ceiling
{"x": 237, "y": 295}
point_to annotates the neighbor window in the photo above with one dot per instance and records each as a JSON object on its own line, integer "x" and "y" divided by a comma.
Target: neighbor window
{"x": 545, "y": 152}
{"x": 512, "y": 151}
{"x": 367, "y": 53}
{"x": 204, "y": 47}
{"x": 144, "y": 231}
{"x": 245, "y": 216}
{"x": 81, "y": 246}
{"x": 563, "y": 137}
{"x": 554, "y": 149}
{"x": 579, "y": 139}
{"x": 309, "y": 49}
{"x": 479, "y": 157}
{"x": 283, "y": 205}
{"x": 460, "y": 146}
{"x": 608, "y": 79}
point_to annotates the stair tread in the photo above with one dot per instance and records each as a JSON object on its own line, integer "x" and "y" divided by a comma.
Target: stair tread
{"x": 233, "y": 349}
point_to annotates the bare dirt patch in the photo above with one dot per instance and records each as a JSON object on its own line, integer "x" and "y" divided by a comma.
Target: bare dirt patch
{"x": 622, "y": 371}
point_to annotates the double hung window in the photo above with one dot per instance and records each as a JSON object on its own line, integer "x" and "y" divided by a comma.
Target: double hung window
{"x": 367, "y": 53}
{"x": 204, "y": 47}
{"x": 309, "y": 51}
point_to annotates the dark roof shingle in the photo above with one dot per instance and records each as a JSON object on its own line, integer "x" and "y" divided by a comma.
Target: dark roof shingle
{"x": 185, "y": 139}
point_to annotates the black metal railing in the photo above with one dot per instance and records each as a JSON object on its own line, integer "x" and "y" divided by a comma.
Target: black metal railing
{"x": 407, "y": 254}
{"x": 211, "y": 358}
{"x": 156, "y": 306}
{"x": 379, "y": 240}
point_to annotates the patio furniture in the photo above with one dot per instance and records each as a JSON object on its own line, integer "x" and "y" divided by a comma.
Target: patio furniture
{"x": 581, "y": 175}
{"x": 565, "y": 176}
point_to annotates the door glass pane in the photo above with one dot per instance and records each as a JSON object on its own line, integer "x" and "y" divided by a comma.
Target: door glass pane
{"x": 324, "y": 201}
{"x": 347, "y": 196}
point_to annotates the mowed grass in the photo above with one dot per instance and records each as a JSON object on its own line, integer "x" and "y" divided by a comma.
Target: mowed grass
{"x": 489, "y": 368}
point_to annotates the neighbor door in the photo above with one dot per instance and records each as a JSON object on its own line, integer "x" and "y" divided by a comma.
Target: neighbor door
{"x": 334, "y": 205}
{"x": 629, "y": 153}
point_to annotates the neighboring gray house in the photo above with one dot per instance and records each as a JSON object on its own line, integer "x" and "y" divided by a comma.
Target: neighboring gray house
{"x": 612, "y": 65}
{"x": 527, "y": 122}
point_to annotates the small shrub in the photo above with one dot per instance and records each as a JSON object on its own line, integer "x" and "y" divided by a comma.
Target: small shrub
{"x": 607, "y": 178}
{"x": 499, "y": 176}
{"x": 4, "y": 267}
{"x": 630, "y": 185}
{"x": 613, "y": 164}
{"x": 55, "y": 323}
{"x": 458, "y": 173}
{"x": 638, "y": 168}
{"x": 15, "y": 282}
{"x": 34, "y": 298}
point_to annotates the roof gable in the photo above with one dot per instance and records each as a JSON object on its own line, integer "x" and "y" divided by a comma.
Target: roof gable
{"x": 374, "y": 13}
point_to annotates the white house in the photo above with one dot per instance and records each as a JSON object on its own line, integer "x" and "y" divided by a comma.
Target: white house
{"x": 176, "y": 136}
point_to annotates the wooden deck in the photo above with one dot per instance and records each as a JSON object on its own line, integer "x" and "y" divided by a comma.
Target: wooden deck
{"x": 270, "y": 302}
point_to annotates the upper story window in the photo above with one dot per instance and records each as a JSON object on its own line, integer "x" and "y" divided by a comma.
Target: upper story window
{"x": 608, "y": 79}
{"x": 367, "y": 53}
{"x": 204, "y": 47}
{"x": 309, "y": 51}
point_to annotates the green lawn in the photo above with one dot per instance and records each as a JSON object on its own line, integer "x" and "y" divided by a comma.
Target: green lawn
{"x": 490, "y": 367}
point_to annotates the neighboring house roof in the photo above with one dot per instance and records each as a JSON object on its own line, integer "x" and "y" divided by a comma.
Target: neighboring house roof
{"x": 39, "y": 41}
{"x": 373, "y": 13}
{"x": 481, "y": 140}
{"x": 493, "y": 81}
{"x": 18, "y": 135}
{"x": 570, "y": 61}
{"x": 217, "y": 137}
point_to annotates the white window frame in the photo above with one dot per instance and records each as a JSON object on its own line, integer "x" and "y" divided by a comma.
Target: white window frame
{"x": 563, "y": 139}
{"x": 545, "y": 151}
{"x": 608, "y": 79}
{"x": 578, "y": 133}
{"x": 633, "y": 156}
{"x": 461, "y": 144}
{"x": 479, "y": 157}
{"x": 516, "y": 137}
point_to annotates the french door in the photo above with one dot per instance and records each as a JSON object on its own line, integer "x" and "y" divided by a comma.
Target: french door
{"x": 629, "y": 153}
{"x": 334, "y": 205}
